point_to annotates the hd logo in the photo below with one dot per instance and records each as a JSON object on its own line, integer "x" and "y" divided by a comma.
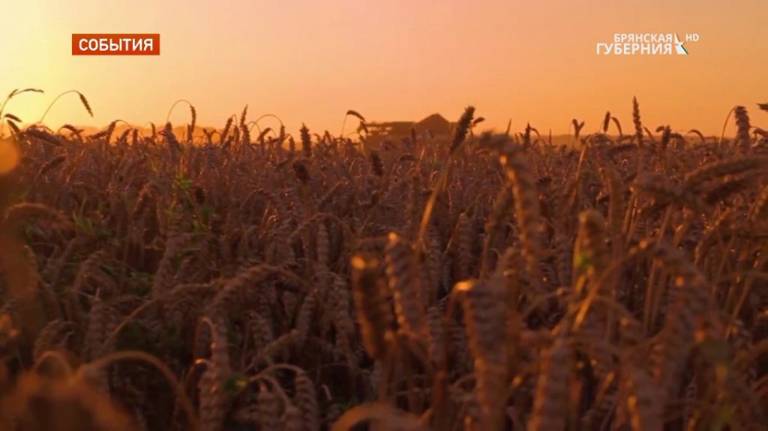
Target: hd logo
{"x": 646, "y": 44}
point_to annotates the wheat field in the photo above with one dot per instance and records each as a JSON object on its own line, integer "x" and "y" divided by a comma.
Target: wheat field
{"x": 245, "y": 279}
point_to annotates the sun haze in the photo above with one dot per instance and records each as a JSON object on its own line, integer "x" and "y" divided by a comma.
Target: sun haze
{"x": 310, "y": 61}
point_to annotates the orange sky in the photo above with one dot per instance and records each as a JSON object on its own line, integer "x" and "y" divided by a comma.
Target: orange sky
{"x": 311, "y": 60}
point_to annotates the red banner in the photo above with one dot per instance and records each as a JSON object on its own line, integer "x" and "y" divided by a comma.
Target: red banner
{"x": 116, "y": 44}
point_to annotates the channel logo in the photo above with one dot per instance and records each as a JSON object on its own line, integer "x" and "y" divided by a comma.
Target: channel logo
{"x": 646, "y": 44}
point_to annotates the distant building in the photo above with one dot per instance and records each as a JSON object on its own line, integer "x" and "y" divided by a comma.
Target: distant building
{"x": 433, "y": 125}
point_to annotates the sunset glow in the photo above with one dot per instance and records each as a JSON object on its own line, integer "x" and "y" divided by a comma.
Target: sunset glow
{"x": 310, "y": 61}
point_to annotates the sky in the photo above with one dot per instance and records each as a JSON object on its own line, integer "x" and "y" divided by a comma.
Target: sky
{"x": 312, "y": 60}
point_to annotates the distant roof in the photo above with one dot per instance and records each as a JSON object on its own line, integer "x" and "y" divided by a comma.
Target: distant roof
{"x": 435, "y": 123}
